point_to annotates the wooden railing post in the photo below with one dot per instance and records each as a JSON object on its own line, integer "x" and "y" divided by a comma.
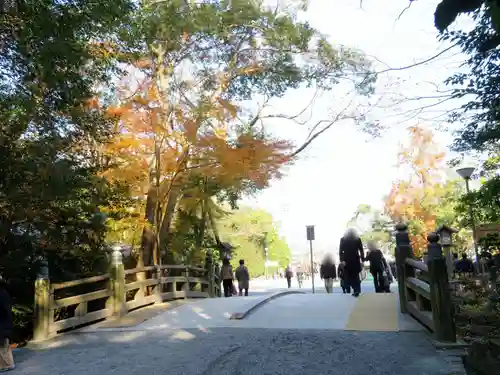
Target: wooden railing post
{"x": 42, "y": 303}
{"x": 403, "y": 251}
{"x": 217, "y": 280}
{"x": 117, "y": 284}
{"x": 159, "y": 286}
{"x": 210, "y": 274}
{"x": 185, "y": 287}
{"x": 442, "y": 308}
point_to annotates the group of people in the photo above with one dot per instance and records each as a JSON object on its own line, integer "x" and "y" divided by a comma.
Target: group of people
{"x": 465, "y": 265}
{"x": 352, "y": 257}
{"x": 228, "y": 276}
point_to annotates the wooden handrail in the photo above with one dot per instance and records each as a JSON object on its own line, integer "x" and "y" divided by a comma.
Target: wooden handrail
{"x": 417, "y": 264}
{"x": 425, "y": 294}
{"x": 73, "y": 283}
{"x": 139, "y": 269}
{"x": 51, "y": 307}
{"x": 420, "y": 287}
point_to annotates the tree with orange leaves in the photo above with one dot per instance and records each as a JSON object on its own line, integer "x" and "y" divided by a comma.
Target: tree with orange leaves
{"x": 416, "y": 197}
{"x": 185, "y": 134}
{"x": 179, "y": 165}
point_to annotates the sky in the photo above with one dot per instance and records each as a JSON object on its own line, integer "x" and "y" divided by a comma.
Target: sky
{"x": 346, "y": 167}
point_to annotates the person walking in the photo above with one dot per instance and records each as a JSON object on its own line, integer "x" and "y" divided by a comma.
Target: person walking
{"x": 288, "y": 276}
{"x": 243, "y": 277}
{"x": 227, "y": 277}
{"x": 378, "y": 266}
{"x": 351, "y": 254}
{"x": 464, "y": 265}
{"x": 328, "y": 272}
{"x": 341, "y": 274}
{"x": 6, "y": 325}
{"x": 300, "y": 276}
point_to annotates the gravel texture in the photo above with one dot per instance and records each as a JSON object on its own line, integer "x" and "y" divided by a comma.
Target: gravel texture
{"x": 237, "y": 351}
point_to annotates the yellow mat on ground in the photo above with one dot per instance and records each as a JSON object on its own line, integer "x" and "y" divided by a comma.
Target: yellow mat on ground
{"x": 374, "y": 312}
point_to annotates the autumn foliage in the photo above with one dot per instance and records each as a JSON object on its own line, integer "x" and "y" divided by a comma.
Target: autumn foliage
{"x": 181, "y": 153}
{"x": 414, "y": 197}
{"x": 176, "y": 141}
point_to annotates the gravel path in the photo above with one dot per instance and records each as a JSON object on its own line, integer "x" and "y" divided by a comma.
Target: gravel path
{"x": 233, "y": 351}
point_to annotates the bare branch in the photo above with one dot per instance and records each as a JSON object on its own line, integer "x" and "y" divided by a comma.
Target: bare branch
{"x": 423, "y": 62}
{"x": 313, "y": 134}
{"x": 404, "y": 10}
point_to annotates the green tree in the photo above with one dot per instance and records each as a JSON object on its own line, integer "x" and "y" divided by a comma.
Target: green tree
{"x": 233, "y": 50}
{"x": 51, "y": 192}
{"x": 478, "y": 86}
{"x": 250, "y": 230}
{"x": 373, "y": 225}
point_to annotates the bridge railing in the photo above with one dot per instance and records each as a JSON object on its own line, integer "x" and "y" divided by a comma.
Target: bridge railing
{"x": 63, "y": 306}
{"x": 424, "y": 291}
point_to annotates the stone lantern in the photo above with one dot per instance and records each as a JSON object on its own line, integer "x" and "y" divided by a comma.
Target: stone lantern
{"x": 446, "y": 238}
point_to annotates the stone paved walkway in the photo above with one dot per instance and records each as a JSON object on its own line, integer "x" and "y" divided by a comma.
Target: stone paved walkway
{"x": 233, "y": 351}
{"x": 294, "y": 334}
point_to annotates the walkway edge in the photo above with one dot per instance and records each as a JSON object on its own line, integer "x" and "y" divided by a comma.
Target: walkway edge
{"x": 262, "y": 302}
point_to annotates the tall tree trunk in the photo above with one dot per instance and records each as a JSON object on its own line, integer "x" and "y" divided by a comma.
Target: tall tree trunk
{"x": 148, "y": 236}
{"x": 203, "y": 225}
{"x": 166, "y": 225}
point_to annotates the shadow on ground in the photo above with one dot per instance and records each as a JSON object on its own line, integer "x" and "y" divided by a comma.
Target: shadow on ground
{"x": 221, "y": 351}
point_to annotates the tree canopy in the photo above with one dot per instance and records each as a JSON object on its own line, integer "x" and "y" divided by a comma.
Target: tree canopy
{"x": 135, "y": 122}
{"x": 250, "y": 231}
{"x": 423, "y": 197}
{"x": 477, "y": 86}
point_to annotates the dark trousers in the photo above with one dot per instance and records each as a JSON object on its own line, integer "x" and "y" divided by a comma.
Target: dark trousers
{"x": 345, "y": 286}
{"x": 289, "y": 282}
{"x": 227, "y": 284}
{"x": 246, "y": 291}
{"x": 378, "y": 281}
{"x": 354, "y": 282}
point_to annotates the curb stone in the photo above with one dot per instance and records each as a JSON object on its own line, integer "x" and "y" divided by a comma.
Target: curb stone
{"x": 454, "y": 356}
{"x": 452, "y": 353}
{"x": 242, "y": 315}
{"x": 455, "y": 361}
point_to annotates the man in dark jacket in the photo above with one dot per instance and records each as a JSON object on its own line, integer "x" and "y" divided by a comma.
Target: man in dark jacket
{"x": 351, "y": 253}
{"x": 288, "y": 276}
{"x": 328, "y": 273}
{"x": 243, "y": 277}
{"x": 464, "y": 265}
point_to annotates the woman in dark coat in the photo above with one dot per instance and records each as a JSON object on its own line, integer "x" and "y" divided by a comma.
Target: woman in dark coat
{"x": 342, "y": 275}
{"x": 328, "y": 272}
{"x": 6, "y": 325}
{"x": 352, "y": 255}
{"x": 378, "y": 265}
{"x": 227, "y": 277}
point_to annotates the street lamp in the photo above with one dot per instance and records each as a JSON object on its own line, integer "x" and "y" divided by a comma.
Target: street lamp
{"x": 466, "y": 174}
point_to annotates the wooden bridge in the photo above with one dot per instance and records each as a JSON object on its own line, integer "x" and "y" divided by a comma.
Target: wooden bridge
{"x": 424, "y": 289}
{"x": 63, "y": 306}
{"x": 424, "y": 293}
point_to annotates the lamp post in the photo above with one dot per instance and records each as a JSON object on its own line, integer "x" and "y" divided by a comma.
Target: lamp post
{"x": 466, "y": 174}
{"x": 310, "y": 237}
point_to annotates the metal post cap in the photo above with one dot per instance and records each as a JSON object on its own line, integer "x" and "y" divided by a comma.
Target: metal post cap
{"x": 401, "y": 227}
{"x": 433, "y": 237}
